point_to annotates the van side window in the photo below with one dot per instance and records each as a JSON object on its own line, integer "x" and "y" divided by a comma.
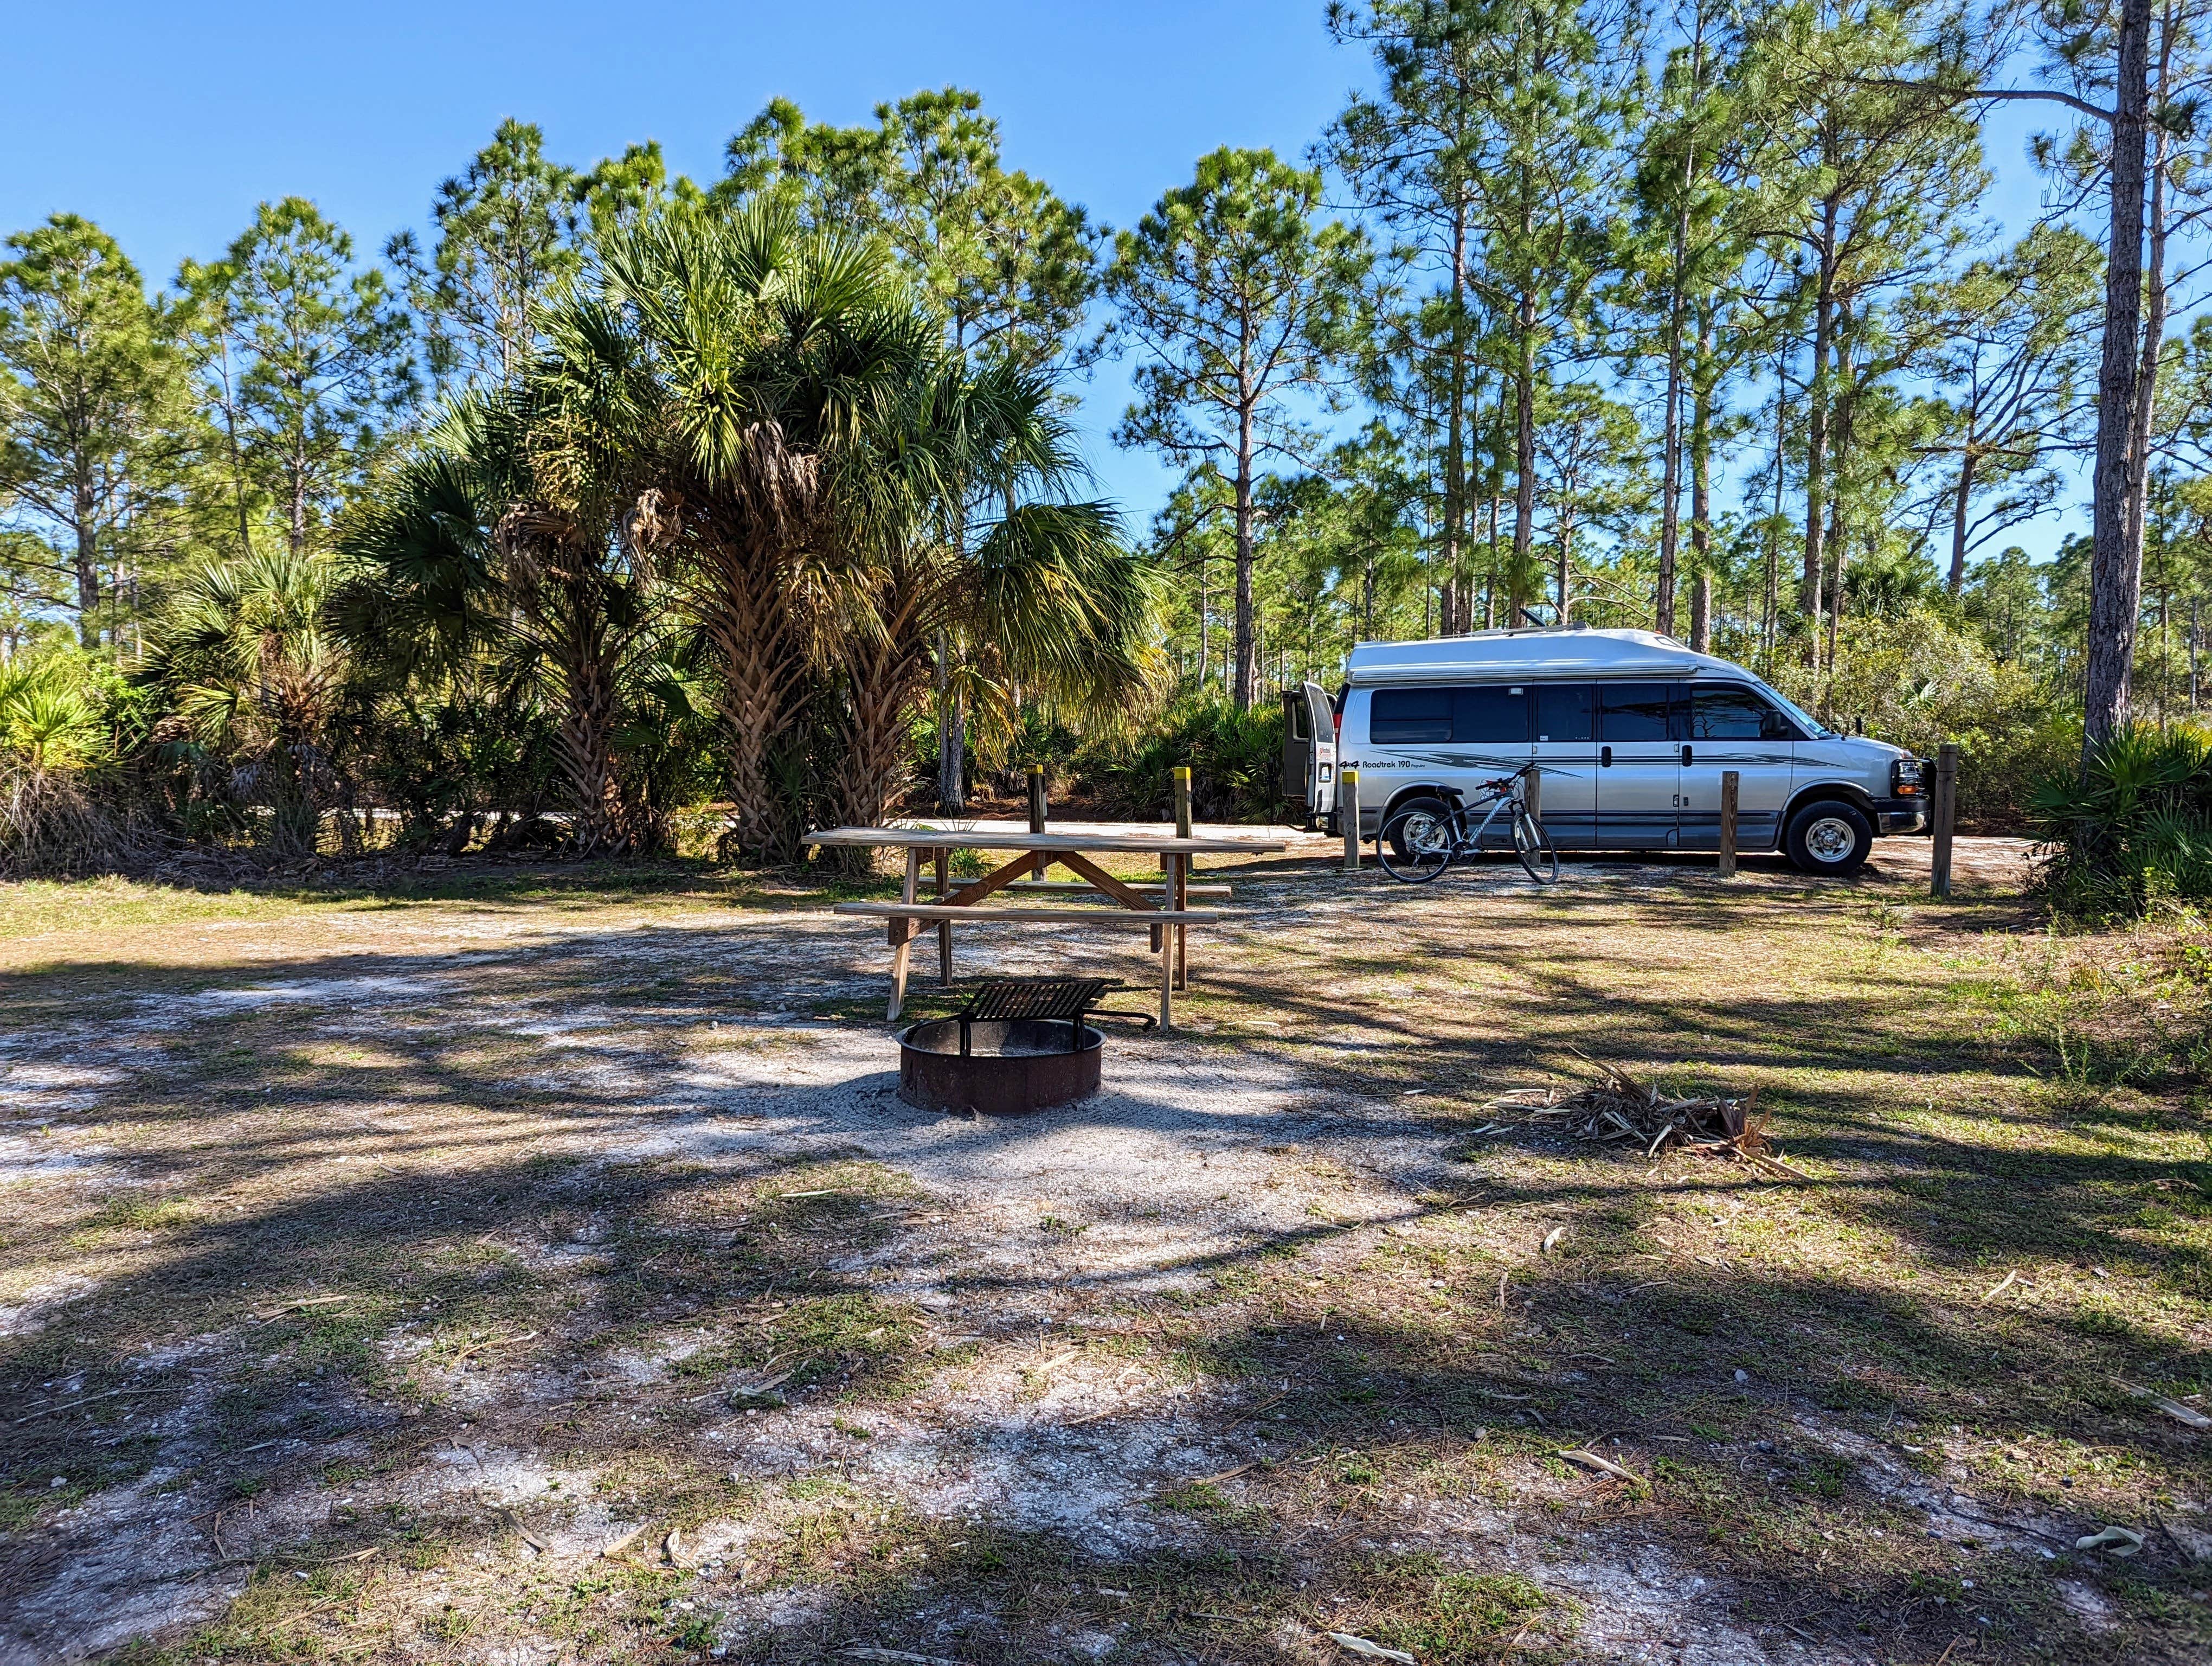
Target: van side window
{"x": 1402, "y": 715}
{"x": 1637, "y": 711}
{"x": 1564, "y": 711}
{"x": 1495, "y": 715}
{"x": 1725, "y": 714}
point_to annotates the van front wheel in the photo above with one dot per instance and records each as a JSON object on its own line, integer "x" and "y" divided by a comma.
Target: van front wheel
{"x": 1831, "y": 837}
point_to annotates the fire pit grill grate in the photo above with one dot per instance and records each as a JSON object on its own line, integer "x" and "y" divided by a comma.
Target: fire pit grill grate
{"x": 1012, "y": 997}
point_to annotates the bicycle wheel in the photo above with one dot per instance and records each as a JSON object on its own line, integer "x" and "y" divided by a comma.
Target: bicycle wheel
{"x": 1415, "y": 847}
{"x": 1533, "y": 847}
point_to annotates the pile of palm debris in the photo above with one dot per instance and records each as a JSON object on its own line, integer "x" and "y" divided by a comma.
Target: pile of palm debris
{"x": 1618, "y": 1108}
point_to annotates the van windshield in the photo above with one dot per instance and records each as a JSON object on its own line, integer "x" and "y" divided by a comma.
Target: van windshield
{"x": 1804, "y": 719}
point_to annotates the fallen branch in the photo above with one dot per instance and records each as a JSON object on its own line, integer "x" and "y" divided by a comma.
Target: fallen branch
{"x": 2173, "y": 1409}
{"x": 1603, "y": 1465}
{"x": 294, "y": 1307}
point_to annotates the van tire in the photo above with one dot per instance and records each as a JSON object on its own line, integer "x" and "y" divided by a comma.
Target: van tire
{"x": 1831, "y": 837}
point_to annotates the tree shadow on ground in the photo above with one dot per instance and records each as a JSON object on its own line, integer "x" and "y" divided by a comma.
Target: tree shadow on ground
{"x": 507, "y": 1226}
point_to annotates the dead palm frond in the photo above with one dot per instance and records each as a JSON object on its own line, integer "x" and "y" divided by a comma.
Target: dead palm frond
{"x": 1618, "y": 1109}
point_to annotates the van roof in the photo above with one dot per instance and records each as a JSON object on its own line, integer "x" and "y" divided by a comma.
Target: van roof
{"x": 1528, "y": 653}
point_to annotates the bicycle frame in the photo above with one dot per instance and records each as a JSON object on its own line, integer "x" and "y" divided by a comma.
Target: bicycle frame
{"x": 1464, "y": 842}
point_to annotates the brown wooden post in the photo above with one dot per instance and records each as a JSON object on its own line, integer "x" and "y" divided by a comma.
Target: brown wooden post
{"x": 1532, "y": 793}
{"x": 1347, "y": 816}
{"x": 902, "y": 931}
{"x": 1728, "y": 780}
{"x": 1944, "y": 806}
{"x": 1167, "y": 981}
{"x": 1181, "y": 894}
{"x": 1036, "y": 815}
{"x": 945, "y": 929}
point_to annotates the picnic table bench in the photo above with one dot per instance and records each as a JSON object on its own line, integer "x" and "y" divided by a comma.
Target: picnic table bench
{"x": 1163, "y": 906}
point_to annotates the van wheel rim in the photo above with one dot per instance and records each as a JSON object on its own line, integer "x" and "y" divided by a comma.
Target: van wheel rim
{"x": 1830, "y": 839}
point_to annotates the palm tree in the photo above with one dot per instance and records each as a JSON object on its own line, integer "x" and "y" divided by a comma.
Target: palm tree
{"x": 780, "y": 361}
{"x": 519, "y": 541}
{"x": 255, "y": 672}
{"x": 1044, "y": 595}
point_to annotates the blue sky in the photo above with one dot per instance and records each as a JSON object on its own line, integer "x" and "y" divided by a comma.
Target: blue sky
{"x": 167, "y": 124}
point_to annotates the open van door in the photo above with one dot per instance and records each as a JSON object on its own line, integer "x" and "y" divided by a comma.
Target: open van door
{"x": 1308, "y": 753}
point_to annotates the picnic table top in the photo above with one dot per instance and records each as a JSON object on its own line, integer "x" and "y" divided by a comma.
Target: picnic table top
{"x": 1163, "y": 843}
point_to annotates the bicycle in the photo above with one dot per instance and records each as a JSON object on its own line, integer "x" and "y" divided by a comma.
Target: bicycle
{"x": 1416, "y": 844}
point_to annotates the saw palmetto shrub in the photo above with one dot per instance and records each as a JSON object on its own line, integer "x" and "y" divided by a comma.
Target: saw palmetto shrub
{"x": 53, "y": 745}
{"x": 1235, "y": 761}
{"x": 2133, "y": 828}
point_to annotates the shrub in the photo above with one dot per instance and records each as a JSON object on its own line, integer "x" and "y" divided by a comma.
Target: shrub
{"x": 2133, "y": 828}
{"x": 1916, "y": 679}
{"x": 1235, "y": 761}
{"x": 51, "y": 742}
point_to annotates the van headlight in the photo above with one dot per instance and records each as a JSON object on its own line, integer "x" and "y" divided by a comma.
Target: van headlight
{"x": 1905, "y": 778}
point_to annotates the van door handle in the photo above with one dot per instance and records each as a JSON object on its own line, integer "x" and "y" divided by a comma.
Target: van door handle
{"x": 1605, "y": 758}
{"x": 1686, "y": 757}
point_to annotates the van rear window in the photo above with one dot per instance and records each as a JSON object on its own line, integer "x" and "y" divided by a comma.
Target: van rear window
{"x": 1491, "y": 715}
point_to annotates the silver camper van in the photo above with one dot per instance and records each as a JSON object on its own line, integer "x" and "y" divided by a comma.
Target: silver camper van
{"x": 1630, "y": 732}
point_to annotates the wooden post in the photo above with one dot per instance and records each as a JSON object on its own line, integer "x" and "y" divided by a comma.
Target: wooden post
{"x": 1167, "y": 975}
{"x": 1944, "y": 807}
{"x": 1347, "y": 816}
{"x": 1036, "y": 815}
{"x": 1532, "y": 793}
{"x": 1728, "y": 780}
{"x": 945, "y": 929}
{"x": 1178, "y": 869}
{"x": 902, "y": 931}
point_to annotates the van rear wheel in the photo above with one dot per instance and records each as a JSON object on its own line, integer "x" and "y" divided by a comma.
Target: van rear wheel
{"x": 1830, "y": 836}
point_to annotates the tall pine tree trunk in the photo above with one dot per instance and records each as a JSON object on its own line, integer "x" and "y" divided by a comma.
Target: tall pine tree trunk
{"x": 1816, "y": 430}
{"x": 1524, "y": 458}
{"x": 1961, "y": 498}
{"x": 2116, "y": 554}
{"x": 1701, "y": 509}
{"x": 1670, "y": 487}
{"x": 1454, "y": 435}
{"x": 1248, "y": 669}
{"x": 87, "y": 508}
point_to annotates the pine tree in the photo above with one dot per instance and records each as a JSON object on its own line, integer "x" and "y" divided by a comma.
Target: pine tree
{"x": 94, "y": 409}
{"x": 507, "y": 239}
{"x": 1236, "y": 299}
{"x": 307, "y": 359}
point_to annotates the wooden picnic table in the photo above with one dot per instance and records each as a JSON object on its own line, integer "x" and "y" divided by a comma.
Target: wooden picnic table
{"x": 1164, "y": 906}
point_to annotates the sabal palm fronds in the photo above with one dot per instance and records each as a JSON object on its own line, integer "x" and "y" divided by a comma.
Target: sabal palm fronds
{"x": 978, "y": 557}
{"x": 782, "y": 361}
{"x": 253, "y": 667}
{"x": 519, "y": 541}
{"x": 46, "y": 721}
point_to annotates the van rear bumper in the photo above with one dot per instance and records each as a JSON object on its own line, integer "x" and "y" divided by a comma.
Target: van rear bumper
{"x": 1900, "y": 815}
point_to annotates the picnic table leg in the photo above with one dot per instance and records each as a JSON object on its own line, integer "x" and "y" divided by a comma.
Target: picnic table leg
{"x": 902, "y": 932}
{"x": 1183, "y": 932}
{"x": 1167, "y": 936}
{"x": 1167, "y": 889}
{"x": 945, "y": 929}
